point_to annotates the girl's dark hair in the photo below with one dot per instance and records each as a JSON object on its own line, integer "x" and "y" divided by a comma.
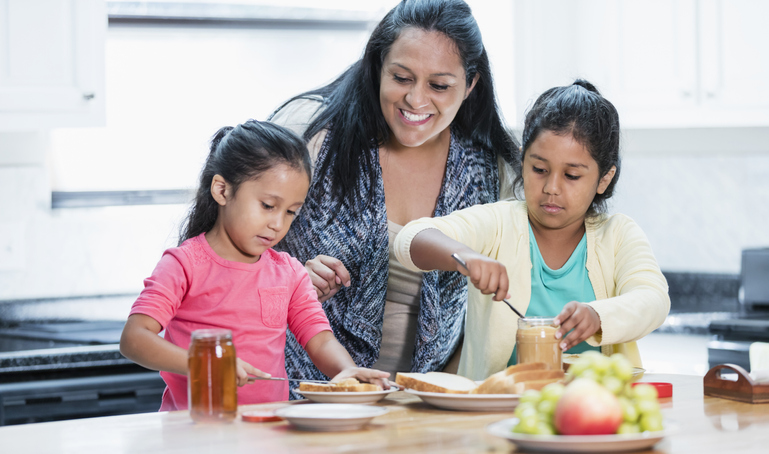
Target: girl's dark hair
{"x": 239, "y": 154}
{"x": 579, "y": 110}
{"x": 351, "y": 102}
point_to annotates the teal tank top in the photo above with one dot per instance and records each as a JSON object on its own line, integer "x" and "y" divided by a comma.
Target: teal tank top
{"x": 552, "y": 289}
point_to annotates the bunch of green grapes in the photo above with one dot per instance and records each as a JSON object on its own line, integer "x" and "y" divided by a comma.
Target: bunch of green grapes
{"x": 640, "y": 408}
{"x": 535, "y": 410}
{"x": 613, "y": 372}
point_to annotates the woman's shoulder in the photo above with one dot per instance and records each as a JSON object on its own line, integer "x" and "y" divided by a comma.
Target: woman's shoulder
{"x": 297, "y": 113}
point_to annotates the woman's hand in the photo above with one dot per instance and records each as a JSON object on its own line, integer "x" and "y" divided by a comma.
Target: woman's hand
{"x": 328, "y": 275}
{"x": 376, "y": 377}
{"x": 243, "y": 370}
{"x": 579, "y": 317}
{"x": 487, "y": 275}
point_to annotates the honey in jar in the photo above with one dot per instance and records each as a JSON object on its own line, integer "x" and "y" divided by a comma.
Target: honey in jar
{"x": 212, "y": 381}
{"x": 535, "y": 341}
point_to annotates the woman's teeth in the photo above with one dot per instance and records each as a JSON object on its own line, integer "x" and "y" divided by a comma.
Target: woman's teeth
{"x": 412, "y": 117}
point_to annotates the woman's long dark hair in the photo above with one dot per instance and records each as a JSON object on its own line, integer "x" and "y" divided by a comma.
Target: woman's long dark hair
{"x": 351, "y": 102}
{"x": 580, "y": 110}
{"x": 239, "y": 154}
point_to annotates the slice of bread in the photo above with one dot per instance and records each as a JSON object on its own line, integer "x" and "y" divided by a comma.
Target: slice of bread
{"x": 435, "y": 382}
{"x": 519, "y": 388}
{"x": 530, "y": 375}
{"x": 525, "y": 366}
{"x": 346, "y": 385}
{"x": 316, "y": 387}
{"x": 500, "y": 383}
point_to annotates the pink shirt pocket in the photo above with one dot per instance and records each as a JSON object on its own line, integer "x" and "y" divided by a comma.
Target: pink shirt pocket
{"x": 274, "y": 305}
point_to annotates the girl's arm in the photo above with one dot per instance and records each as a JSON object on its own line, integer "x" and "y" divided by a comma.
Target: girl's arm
{"x": 431, "y": 249}
{"x": 332, "y": 359}
{"x": 141, "y": 344}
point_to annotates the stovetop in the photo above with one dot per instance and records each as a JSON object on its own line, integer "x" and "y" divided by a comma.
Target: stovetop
{"x": 31, "y": 336}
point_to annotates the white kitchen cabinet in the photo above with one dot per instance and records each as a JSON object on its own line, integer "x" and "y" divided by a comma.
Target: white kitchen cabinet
{"x": 663, "y": 63}
{"x": 51, "y": 63}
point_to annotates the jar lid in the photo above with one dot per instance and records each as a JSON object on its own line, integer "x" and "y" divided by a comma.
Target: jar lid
{"x": 260, "y": 416}
{"x": 663, "y": 389}
{"x": 216, "y": 333}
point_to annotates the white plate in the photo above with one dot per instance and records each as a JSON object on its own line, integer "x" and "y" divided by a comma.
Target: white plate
{"x": 330, "y": 417}
{"x": 367, "y": 397}
{"x": 578, "y": 443}
{"x": 469, "y": 402}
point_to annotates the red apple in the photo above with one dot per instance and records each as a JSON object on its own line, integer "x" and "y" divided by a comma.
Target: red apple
{"x": 587, "y": 408}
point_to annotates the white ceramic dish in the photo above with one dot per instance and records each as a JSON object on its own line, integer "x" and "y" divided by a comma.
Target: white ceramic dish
{"x": 578, "y": 443}
{"x": 368, "y": 397}
{"x": 330, "y": 417}
{"x": 469, "y": 402}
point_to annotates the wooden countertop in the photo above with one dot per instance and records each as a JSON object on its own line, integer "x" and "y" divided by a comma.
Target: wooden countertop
{"x": 706, "y": 425}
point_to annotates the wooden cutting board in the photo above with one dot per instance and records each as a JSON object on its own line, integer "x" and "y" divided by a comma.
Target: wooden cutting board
{"x": 744, "y": 389}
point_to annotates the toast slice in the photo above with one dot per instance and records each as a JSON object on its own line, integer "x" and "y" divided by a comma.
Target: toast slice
{"x": 316, "y": 387}
{"x": 346, "y": 385}
{"x": 499, "y": 383}
{"x": 518, "y": 382}
{"x": 435, "y": 382}
{"x": 519, "y": 388}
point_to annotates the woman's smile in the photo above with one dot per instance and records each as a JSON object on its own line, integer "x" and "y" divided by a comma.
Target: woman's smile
{"x": 413, "y": 118}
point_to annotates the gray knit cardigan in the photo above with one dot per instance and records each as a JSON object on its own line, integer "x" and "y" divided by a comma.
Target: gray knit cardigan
{"x": 357, "y": 236}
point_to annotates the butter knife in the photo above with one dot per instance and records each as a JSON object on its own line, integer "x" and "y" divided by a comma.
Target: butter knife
{"x": 463, "y": 264}
{"x": 252, "y": 377}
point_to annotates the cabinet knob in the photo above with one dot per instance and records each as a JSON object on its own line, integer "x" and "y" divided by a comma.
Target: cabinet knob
{"x": 89, "y": 96}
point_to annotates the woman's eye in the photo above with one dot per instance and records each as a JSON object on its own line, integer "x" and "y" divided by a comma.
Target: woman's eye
{"x": 440, "y": 87}
{"x": 538, "y": 170}
{"x": 572, "y": 177}
{"x": 291, "y": 213}
{"x": 267, "y": 207}
{"x": 400, "y": 79}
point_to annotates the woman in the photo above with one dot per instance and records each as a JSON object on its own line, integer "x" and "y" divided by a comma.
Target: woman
{"x": 410, "y": 130}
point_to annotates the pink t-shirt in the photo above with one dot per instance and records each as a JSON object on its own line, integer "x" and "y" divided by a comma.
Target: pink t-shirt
{"x": 193, "y": 288}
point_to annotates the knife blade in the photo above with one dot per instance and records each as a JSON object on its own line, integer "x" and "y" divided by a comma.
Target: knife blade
{"x": 252, "y": 377}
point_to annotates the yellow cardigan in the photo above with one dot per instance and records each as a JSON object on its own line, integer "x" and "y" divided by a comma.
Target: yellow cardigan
{"x": 631, "y": 292}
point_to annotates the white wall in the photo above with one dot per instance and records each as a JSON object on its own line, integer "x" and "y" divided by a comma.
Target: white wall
{"x": 699, "y": 195}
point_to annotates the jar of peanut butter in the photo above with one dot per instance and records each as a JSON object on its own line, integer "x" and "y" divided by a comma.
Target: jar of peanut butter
{"x": 212, "y": 382}
{"x": 536, "y": 341}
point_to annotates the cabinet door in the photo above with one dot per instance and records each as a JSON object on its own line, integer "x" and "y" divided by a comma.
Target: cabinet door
{"x": 735, "y": 59}
{"x": 640, "y": 54}
{"x": 51, "y": 63}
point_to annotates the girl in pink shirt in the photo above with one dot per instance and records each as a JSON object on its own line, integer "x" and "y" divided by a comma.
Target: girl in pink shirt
{"x": 224, "y": 273}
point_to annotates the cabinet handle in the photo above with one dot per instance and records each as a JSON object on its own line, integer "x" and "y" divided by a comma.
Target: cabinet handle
{"x": 89, "y": 96}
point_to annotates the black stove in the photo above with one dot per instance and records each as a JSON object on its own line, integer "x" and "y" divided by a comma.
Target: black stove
{"x": 732, "y": 337}
{"x": 67, "y": 370}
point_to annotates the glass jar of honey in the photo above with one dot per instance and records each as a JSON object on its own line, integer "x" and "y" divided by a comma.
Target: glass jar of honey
{"x": 212, "y": 381}
{"x": 536, "y": 341}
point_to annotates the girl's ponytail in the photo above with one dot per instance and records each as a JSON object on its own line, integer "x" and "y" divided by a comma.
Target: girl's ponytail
{"x": 204, "y": 210}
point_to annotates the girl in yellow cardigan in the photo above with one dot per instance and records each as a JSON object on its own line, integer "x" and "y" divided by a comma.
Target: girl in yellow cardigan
{"x": 557, "y": 252}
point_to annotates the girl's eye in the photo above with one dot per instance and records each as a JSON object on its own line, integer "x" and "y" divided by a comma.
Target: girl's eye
{"x": 440, "y": 87}
{"x": 538, "y": 170}
{"x": 572, "y": 177}
{"x": 291, "y": 213}
{"x": 267, "y": 207}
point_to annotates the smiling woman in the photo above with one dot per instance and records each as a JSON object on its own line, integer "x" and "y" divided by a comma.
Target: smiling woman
{"x": 411, "y": 130}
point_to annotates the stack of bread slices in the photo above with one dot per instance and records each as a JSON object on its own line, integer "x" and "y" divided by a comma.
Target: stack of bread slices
{"x": 513, "y": 380}
{"x": 346, "y": 385}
